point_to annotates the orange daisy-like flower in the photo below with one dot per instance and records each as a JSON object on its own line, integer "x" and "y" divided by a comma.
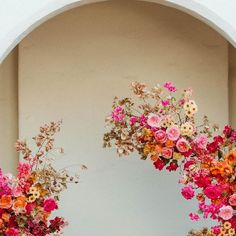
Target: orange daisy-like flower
{"x": 231, "y": 157}
{"x": 20, "y": 202}
{"x": 5, "y": 202}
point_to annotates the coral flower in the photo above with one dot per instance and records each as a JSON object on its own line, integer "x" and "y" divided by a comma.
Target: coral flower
{"x": 20, "y": 202}
{"x": 160, "y": 136}
{"x": 182, "y": 145}
{"x": 5, "y": 202}
{"x": 231, "y": 157}
{"x": 167, "y": 152}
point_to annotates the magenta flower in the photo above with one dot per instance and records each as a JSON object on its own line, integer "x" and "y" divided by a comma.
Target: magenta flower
{"x": 187, "y": 192}
{"x": 194, "y": 217}
{"x": 49, "y": 205}
{"x": 169, "y": 86}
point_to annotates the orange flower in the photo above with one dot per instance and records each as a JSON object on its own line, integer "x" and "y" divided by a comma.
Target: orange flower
{"x": 231, "y": 157}
{"x": 158, "y": 148}
{"x": 20, "y": 202}
{"x": 5, "y": 202}
{"x": 170, "y": 144}
{"x": 154, "y": 158}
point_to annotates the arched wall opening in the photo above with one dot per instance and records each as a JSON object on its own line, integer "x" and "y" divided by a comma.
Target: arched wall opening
{"x": 71, "y": 67}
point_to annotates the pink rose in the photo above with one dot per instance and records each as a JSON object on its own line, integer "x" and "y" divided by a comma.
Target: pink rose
{"x": 201, "y": 141}
{"x": 232, "y": 200}
{"x": 216, "y": 229}
{"x": 173, "y": 132}
{"x": 187, "y": 192}
{"x": 160, "y": 136}
{"x": 182, "y": 145}
{"x": 226, "y": 212}
{"x": 167, "y": 152}
{"x": 153, "y": 120}
{"x": 49, "y": 205}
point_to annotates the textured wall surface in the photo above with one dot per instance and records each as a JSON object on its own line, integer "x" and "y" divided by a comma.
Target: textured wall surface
{"x": 72, "y": 66}
{"x": 19, "y": 18}
{"x": 9, "y": 111}
{"x": 232, "y": 85}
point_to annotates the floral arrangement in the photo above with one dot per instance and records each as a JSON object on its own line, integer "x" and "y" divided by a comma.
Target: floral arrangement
{"x": 163, "y": 128}
{"x": 28, "y": 199}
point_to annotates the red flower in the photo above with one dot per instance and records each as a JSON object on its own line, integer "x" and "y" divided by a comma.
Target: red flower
{"x": 172, "y": 167}
{"x": 159, "y": 164}
{"x": 212, "y": 147}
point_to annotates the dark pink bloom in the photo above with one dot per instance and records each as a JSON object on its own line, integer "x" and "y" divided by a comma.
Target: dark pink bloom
{"x": 169, "y": 86}
{"x": 49, "y": 205}
{"x": 187, "y": 192}
{"x": 227, "y": 130}
{"x": 194, "y": 217}
{"x": 212, "y": 192}
{"x": 132, "y": 120}
{"x": 12, "y": 232}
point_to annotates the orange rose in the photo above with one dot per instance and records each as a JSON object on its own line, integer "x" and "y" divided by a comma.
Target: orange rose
{"x": 20, "y": 202}
{"x": 231, "y": 157}
{"x": 5, "y": 202}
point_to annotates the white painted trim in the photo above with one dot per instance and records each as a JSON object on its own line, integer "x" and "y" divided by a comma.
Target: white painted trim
{"x": 21, "y": 27}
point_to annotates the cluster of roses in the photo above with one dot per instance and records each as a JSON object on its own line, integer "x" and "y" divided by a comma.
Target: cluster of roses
{"x": 28, "y": 199}
{"x": 163, "y": 128}
{"x": 210, "y": 176}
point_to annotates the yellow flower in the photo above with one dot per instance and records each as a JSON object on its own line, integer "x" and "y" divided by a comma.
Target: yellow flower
{"x": 231, "y": 232}
{"x": 31, "y": 199}
{"x": 177, "y": 156}
{"x": 227, "y": 225}
{"x": 187, "y": 129}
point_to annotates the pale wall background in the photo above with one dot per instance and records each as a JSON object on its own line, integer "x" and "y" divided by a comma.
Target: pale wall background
{"x": 9, "y": 111}
{"x": 71, "y": 67}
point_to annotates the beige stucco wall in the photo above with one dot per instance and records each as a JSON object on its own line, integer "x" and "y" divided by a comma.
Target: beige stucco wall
{"x": 232, "y": 85}
{"x": 71, "y": 67}
{"x": 9, "y": 111}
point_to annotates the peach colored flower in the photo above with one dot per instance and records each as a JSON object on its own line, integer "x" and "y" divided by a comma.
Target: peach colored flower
{"x": 20, "y": 202}
{"x": 226, "y": 212}
{"x": 173, "y": 132}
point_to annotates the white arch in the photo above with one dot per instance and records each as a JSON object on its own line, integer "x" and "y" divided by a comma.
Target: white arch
{"x": 26, "y": 15}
